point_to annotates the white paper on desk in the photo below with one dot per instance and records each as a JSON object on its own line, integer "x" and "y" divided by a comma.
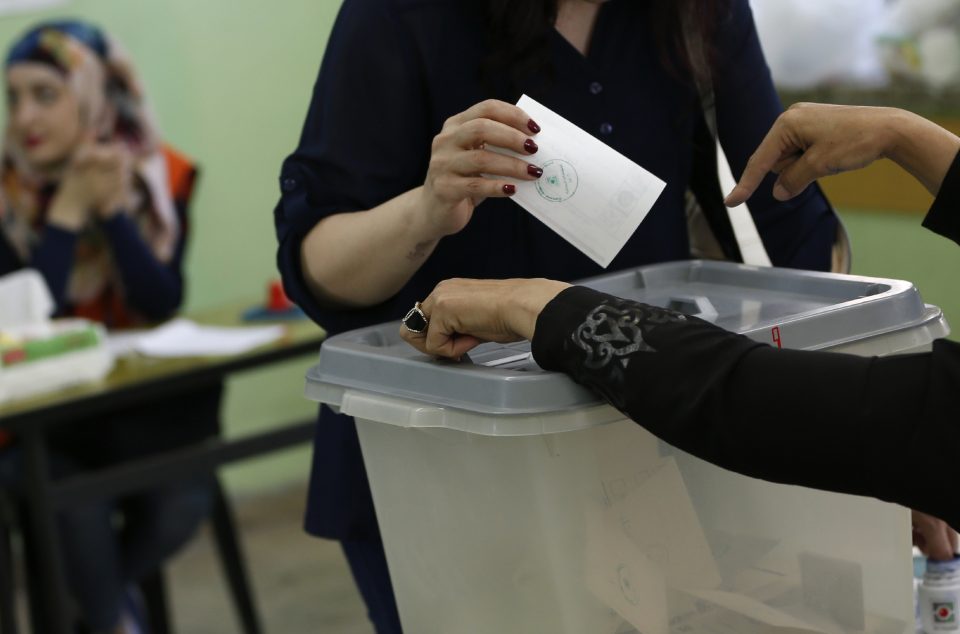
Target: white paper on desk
{"x": 123, "y": 343}
{"x": 590, "y": 194}
{"x": 184, "y": 338}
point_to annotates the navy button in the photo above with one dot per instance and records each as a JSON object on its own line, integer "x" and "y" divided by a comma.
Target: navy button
{"x": 596, "y": 88}
{"x": 606, "y": 128}
{"x": 288, "y": 184}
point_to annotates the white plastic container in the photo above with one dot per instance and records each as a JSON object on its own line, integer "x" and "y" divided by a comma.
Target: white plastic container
{"x": 511, "y": 501}
{"x": 938, "y": 597}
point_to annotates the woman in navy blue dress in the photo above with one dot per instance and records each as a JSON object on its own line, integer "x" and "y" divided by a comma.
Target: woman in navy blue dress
{"x": 384, "y": 197}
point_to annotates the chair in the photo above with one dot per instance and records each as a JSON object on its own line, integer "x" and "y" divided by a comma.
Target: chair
{"x": 8, "y": 522}
{"x": 234, "y": 568}
{"x": 154, "y": 586}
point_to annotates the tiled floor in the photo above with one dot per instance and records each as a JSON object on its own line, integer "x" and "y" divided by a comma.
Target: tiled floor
{"x": 302, "y": 584}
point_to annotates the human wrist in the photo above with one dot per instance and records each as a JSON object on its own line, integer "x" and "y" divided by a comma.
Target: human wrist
{"x": 422, "y": 216}
{"x": 519, "y": 313}
{"x": 67, "y": 215}
{"x": 898, "y": 129}
{"x": 525, "y": 303}
{"x": 921, "y": 147}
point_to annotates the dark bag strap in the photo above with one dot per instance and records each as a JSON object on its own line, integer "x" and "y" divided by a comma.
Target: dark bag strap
{"x": 704, "y": 183}
{"x": 707, "y": 196}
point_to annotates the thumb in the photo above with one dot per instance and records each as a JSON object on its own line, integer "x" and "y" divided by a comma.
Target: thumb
{"x": 461, "y": 344}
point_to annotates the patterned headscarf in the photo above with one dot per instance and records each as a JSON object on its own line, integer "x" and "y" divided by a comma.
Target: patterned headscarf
{"x": 112, "y": 108}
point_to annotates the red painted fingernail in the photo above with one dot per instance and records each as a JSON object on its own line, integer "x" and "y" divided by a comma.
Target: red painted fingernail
{"x": 533, "y": 126}
{"x": 530, "y": 146}
{"x": 509, "y": 189}
{"x": 534, "y": 171}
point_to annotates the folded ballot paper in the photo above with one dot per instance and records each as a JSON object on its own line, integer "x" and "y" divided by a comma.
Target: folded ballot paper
{"x": 590, "y": 194}
{"x": 38, "y": 354}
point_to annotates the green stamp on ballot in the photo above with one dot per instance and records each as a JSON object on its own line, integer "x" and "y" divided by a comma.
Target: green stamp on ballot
{"x": 559, "y": 181}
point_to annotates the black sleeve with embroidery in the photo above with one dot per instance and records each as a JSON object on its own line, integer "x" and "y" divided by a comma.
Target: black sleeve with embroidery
{"x": 883, "y": 427}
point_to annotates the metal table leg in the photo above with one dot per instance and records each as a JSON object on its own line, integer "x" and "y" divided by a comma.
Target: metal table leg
{"x": 45, "y": 533}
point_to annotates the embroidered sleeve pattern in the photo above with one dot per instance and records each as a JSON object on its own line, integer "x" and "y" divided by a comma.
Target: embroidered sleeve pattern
{"x": 610, "y": 336}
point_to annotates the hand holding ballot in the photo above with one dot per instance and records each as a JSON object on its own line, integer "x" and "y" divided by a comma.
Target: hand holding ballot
{"x": 461, "y": 154}
{"x": 591, "y": 195}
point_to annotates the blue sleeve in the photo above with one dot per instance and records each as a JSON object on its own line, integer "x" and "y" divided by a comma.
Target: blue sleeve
{"x": 799, "y": 233}
{"x": 153, "y": 288}
{"x": 366, "y": 138}
{"x": 53, "y": 257}
{"x": 9, "y": 262}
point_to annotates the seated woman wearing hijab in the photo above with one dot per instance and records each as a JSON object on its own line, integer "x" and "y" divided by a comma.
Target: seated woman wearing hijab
{"x": 719, "y": 395}
{"x": 95, "y": 202}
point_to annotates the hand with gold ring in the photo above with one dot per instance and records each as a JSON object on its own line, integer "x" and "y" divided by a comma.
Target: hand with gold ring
{"x": 461, "y": 314}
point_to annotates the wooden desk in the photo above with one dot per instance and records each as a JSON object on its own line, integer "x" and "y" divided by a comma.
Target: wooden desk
{"x": 131, "y": 380}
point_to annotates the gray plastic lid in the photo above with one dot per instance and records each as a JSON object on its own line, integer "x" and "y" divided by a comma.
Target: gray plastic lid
{"x": 785, "y": 307}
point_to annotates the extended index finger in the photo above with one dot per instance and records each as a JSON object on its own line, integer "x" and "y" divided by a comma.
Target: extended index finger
{"x": 770, "y": 152}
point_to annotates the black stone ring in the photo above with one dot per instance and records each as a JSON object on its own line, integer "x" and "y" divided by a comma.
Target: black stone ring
{"x": 415, "y": 321}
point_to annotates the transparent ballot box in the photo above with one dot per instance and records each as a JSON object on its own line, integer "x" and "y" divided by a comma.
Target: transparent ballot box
{"x": 512, "y": 500}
